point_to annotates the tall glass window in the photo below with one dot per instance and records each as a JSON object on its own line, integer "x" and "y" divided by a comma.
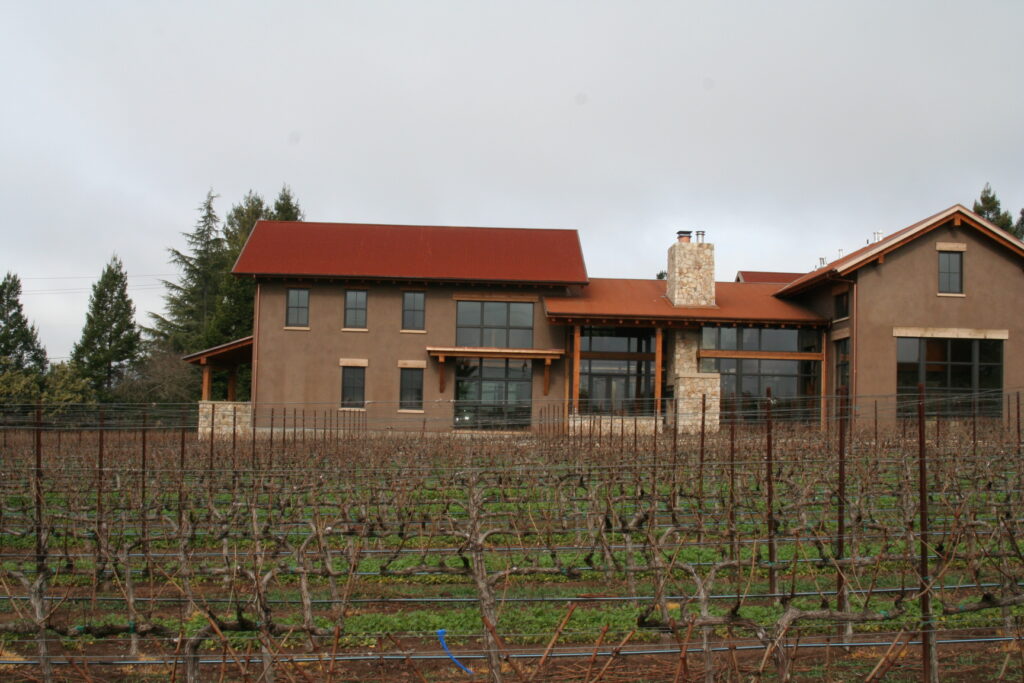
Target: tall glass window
{"x": 297, "y": 314}
{"x": 355, "y": 309}
{"x": 617, "y": 370}
{"x": 617, "y": 387}
{"x": 957, "y": 374}
{"x": 413, "y": 310}
{"x": 842, "y": 363}
{"x": 493, "y": 393}
{"x": 494, "y": 324}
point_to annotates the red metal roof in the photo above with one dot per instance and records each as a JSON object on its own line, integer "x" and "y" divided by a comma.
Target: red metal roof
{"x": 765, "y": 276}
{"x": 412, "y": 252}
{"x": 631, "y": 300}
{"x": 865, "y": 255}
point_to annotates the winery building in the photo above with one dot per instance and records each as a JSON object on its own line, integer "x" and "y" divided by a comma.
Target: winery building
{"x": 438, "y": 328}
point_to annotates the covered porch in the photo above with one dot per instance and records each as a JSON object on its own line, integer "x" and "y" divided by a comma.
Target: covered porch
{"x": 224, "y": 357}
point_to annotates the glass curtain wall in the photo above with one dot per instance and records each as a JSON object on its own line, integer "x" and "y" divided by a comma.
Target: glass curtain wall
{"x": 617, "y": 371}
{"x": 959, "y": 375}
{"x": 795, "y": 384}
{"x": 493, "y": 393}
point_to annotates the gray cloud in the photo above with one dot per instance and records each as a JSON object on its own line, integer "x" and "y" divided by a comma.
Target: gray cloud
{"x": 787, "y": 130}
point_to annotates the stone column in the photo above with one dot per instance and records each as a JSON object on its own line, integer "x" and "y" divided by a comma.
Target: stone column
{"x": 692, "y": 384}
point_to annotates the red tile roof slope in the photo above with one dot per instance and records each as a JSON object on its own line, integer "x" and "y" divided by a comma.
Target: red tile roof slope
{"x": 645, "y": 299}
{"x": 765, "y": 276}
{"x": 865, "y": 255}
{"x": 413, "y": 252}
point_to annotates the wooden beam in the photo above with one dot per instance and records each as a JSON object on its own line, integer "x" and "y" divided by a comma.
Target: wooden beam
{"x": 547, "y": 375}
{"x": 823, "y": 406}
{"x": 767, "y": 355}
{"x": 616, "y": 355}
{"x": 657, "y": 371}
{"x": 207, "y": 382}
{"x": 576, "y": 369}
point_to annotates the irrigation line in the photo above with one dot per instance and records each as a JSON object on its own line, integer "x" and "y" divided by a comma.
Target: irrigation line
{"x": 377, "y": 657}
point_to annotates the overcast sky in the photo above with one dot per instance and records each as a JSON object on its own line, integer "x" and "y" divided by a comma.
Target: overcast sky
{"x": 785, "y": 130}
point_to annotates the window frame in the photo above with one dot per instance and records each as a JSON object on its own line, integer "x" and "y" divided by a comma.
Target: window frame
{"x": 290, "y": 308}
{"x": 353, "y": 310}
{"x": 841, "y": 305}
{"x": 947, "y": 273}
{"x": 482, "y": 328}
{"x": 410, "y": 311}
{"x": 476, "y": 377}
{"x": 842, "y": 368}
{"x": 357, "y": 375}
{"x": 414, "y": 377}
{"x": 938, "y": 364}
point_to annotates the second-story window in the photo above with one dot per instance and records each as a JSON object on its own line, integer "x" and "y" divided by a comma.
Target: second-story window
{"x": 951, "y": 272}
{"x": 494, "y": 324}
{"x": 297, "y": 314}
{"x": 355, "y": 309}
{"x": 413, "y": 310}
{"x": 841, "y": 303}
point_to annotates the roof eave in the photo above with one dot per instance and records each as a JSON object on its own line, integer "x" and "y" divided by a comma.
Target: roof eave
{"x": 408, "y": 278}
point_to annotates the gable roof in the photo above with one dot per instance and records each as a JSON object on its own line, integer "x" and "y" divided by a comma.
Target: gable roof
{"x": 412, "y": 252}
{"x": 766, "y": 276}
{"x": 853, "y": 261}
{"x": 633, "y": 301}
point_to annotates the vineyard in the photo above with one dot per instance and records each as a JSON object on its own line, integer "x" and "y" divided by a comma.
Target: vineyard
{"x": 133, "y": 550}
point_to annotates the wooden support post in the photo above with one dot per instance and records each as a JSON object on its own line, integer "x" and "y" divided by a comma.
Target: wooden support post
{"x": 547, "y": 375}
{"x": 657, "y": 373}
{"x": 576, "y": 369}
{"x": 207, "y": 380}
{"x": 440, "y": 367}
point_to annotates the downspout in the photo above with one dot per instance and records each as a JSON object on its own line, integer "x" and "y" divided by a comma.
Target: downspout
{"x": 255, "y": 347}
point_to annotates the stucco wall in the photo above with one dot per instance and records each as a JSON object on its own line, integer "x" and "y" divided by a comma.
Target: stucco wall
{"x": 903, "y": 292}
{"x": 301, "y": 367}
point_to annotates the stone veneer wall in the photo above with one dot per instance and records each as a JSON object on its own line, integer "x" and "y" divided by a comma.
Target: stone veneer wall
{"x": 691, "y": 274}
{"x": 691, "y": 385}
{"x": 614, "y": 426}
{"x": 226, "y": 416}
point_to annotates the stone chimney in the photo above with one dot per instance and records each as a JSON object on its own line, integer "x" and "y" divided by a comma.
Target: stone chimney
{"x": 691, "y": 270}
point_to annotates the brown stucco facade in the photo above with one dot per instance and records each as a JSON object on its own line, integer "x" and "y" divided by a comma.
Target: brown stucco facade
{"x": 299, "y": 368}
{"x": 900, "y": 297}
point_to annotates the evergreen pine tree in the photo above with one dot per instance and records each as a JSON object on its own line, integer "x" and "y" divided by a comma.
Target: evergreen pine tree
{"x": 110, "y": 341}
{"x": 19, "y": 341}
{"x": 988, "y": 207}
{"x": 234, "y": 314}
{"x": 65, "y": 384}
{"x": 286, "y": 208}
{"x": 191, "y": 302}
{"x": 1018, "y": 227}
{"x": 240, "y": 220}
